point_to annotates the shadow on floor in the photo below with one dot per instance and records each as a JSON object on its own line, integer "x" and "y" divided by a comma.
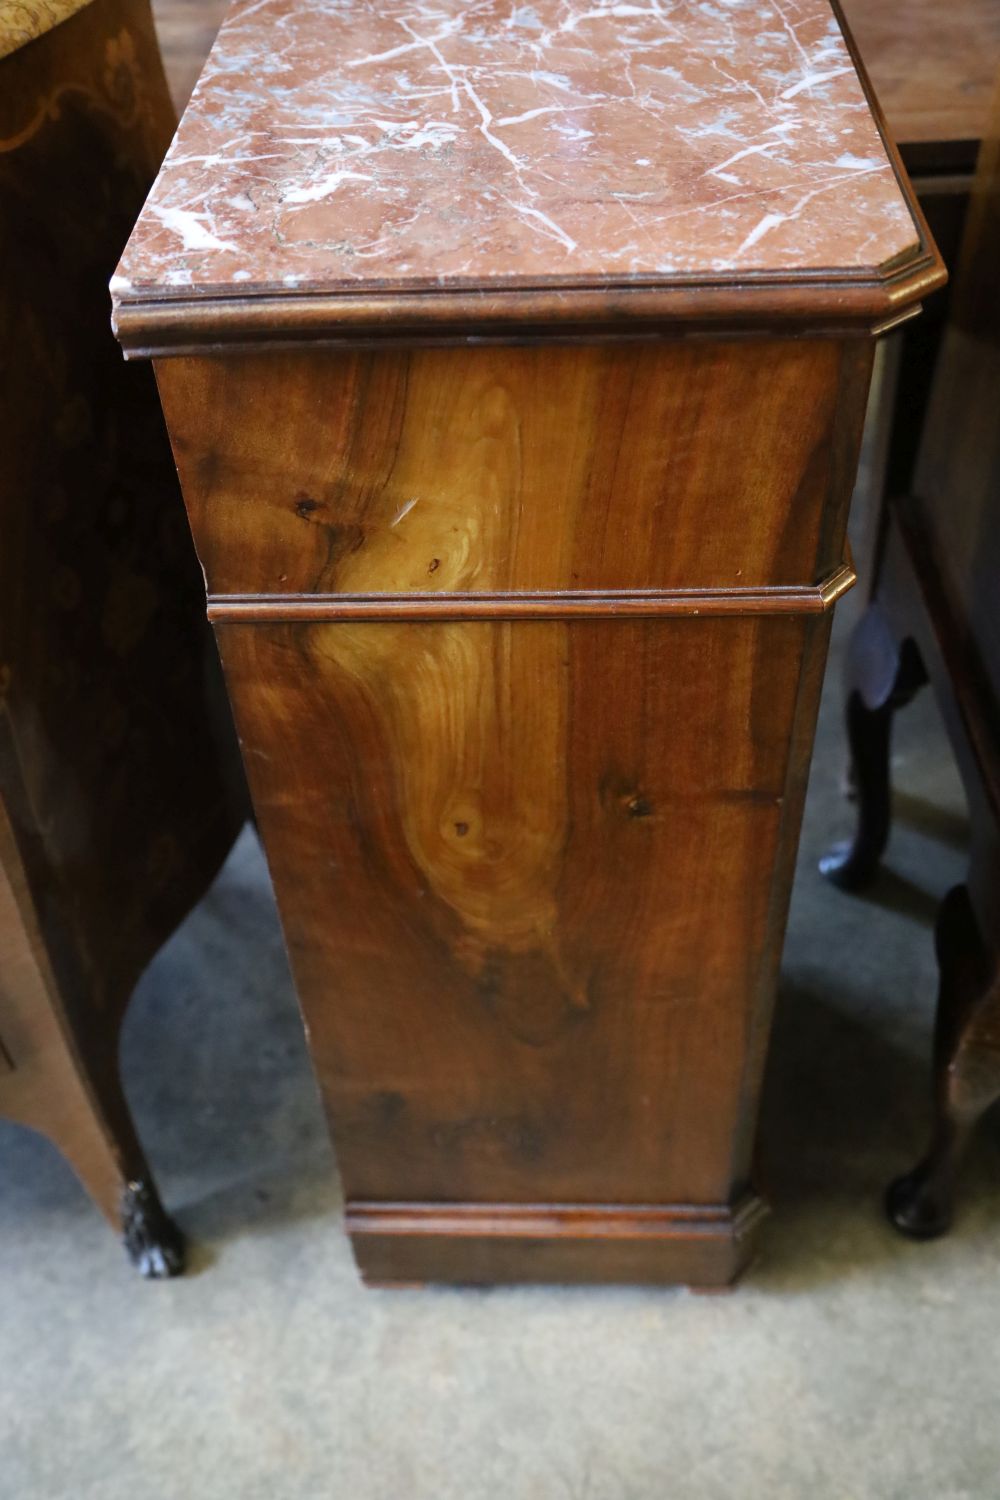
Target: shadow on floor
{"x": 846, "y": 1108}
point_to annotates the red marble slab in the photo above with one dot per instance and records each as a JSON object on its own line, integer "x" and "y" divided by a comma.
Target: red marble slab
{"x": 344, "y": 144}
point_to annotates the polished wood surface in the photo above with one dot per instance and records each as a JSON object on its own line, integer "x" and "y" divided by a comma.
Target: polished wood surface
{"x": 530, "y": 796}
{"x": 258, "y": 495}
{"x": 524, "y": 621}
{"x": 935, "y": 617}
{"x": 932, "y": 65}
{"x": 115, "y": 809}
{"x": 440, "y": 471}
{"x": 502, "y": 903}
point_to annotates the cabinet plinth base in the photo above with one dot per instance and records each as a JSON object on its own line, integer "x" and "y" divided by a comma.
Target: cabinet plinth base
{"x": 399, "y": 1244}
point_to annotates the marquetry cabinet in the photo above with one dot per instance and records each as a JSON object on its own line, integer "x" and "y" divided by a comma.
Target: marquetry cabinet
{"x": 120, "y": 789}
{"x": 515, "y": 369}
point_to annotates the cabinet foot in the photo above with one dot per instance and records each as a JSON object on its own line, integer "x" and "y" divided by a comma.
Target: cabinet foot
{"x": 966, "y": 1069}
{"x": 704, "y": 1247}
{"x": 153, "y": 1243}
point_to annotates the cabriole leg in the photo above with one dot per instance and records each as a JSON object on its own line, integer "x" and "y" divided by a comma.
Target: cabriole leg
{"x": 966, "y": 1068}
{"x": 882, "y": 677}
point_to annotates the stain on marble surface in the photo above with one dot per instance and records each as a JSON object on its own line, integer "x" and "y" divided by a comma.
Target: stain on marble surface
{"x": 348, "y": 143}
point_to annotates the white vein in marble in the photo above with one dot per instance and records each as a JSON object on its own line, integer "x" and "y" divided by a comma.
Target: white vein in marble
{"x": 348, "y": 144}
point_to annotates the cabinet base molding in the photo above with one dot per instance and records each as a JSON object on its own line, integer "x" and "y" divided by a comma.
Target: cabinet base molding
{"x": 482, "y": 1243}
{"x": 524, "y": 617}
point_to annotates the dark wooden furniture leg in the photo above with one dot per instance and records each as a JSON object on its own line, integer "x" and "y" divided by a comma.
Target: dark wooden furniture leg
{"x": 882, "y": 677}
{"x": 966, "y": 1067}
{"x": 936, "y": 581}
{"x": 75, "y": 1100}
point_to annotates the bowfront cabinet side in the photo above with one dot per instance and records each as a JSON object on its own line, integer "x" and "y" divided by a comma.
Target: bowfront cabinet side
{"x": 521, "y": 530}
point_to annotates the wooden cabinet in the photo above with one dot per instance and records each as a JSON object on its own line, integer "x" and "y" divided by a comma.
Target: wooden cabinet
{"x": 538, "y": 469}
{"x": 517, "y": 409}
{"x": 115, "y": 805}
{"x": 934, "y": 616}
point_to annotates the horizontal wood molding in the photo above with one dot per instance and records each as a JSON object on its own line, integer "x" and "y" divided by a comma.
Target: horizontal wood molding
{"x": 269, "y": 608}
{"x": 585, "y": 1221}
{"x": 148, "y": 326}
{"x": 487, "y": 1243}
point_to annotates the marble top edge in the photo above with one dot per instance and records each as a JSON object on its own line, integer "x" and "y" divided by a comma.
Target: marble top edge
{"x": 346, "y": 148}
{"x": 125, "y": 292}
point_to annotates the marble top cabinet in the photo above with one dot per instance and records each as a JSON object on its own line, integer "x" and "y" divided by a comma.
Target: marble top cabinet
{"x": 515, "y": 359}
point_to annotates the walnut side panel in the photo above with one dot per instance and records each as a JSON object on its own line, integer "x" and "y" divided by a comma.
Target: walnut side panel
{"x": 524, "y": 646}
{"x": 525, "y": 873}
{"x": 684, "y": 464}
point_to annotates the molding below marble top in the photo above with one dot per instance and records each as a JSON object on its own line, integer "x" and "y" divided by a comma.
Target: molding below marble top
{"x": 447, "y": 160}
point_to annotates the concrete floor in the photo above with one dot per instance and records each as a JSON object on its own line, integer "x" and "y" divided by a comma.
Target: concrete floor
{"x": 849, "y": 1363}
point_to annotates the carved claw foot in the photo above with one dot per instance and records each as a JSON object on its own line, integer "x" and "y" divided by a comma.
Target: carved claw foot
{"x": 153, "y": 1243}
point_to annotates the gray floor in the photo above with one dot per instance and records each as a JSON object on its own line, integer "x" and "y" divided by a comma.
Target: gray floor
{"x": 849, "y": 1364}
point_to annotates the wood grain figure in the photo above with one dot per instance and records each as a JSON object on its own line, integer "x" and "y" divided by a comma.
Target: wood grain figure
{"x": 521, "y": 563}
